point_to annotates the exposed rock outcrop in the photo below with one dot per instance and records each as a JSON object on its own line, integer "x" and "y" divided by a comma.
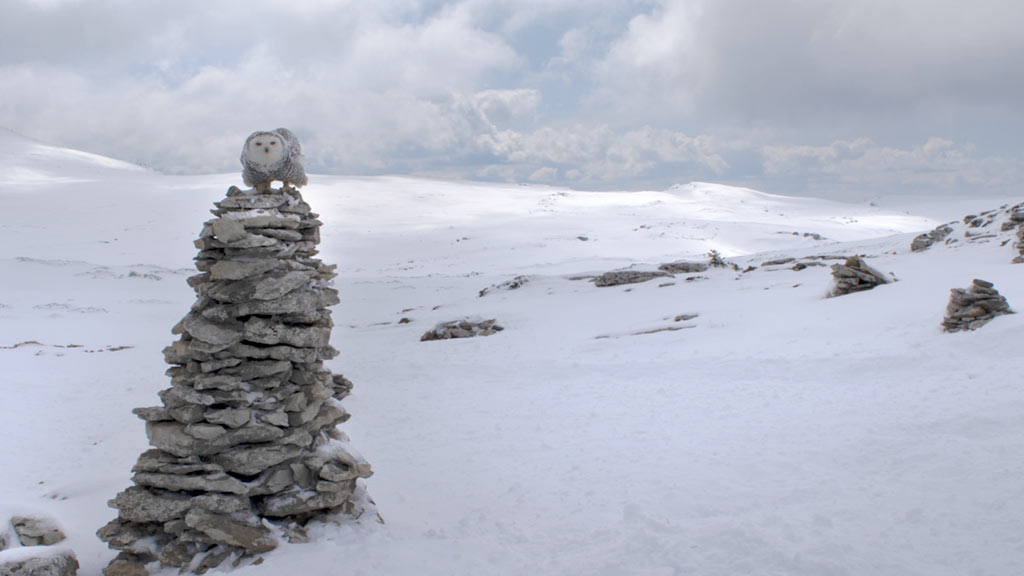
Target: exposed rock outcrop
{"x": 1003, "y": 225}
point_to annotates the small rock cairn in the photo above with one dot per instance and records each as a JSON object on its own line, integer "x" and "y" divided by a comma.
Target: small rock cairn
{"x": 855, "y": 275}
{"x": 974, "y": 307}
{"x": 38, "y": 554}
{"x": 245, "y": 445}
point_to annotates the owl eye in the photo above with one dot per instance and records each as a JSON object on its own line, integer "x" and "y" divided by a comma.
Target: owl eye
{"x": 273, "y": 143}
{"x": 258, "y": 143}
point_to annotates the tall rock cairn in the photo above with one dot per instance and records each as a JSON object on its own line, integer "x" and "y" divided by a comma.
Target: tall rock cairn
{"x": 245, "y": 445}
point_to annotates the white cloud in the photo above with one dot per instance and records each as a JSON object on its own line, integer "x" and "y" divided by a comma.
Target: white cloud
{"x": 937, "y": 163}
{"x": 620, "y": 93}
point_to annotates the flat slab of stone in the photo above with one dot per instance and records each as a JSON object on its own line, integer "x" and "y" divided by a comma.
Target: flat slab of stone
{"x": 621, "y": 277}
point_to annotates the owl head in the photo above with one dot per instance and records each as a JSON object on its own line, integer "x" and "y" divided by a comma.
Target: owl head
{"x": 265, "y": 148}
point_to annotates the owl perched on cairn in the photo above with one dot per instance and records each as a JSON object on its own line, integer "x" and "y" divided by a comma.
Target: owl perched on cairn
{"x": 269, "y": 156}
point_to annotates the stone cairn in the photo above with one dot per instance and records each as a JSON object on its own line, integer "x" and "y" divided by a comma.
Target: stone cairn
{"x": 33, "y": 548}
{"x": 974, "y": 307}
{"x": 245, "y": 445}
{"x": 855, "y": 275}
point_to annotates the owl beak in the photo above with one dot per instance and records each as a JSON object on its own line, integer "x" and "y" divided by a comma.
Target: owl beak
{"x": 266, "y": 149}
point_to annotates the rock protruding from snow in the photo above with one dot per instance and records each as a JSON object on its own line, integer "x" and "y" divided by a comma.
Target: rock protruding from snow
{"x": 924, "y": 241}
{"x": 855, "y": 275}
{"x": 1003, "y": 225}
{"x": 34, "y": 531}
{"x": 620, "y": 277}
{"x": 40, "y": 562}
{"x": 513, "y": 284}
{"x": 683, "y": 267}
{"x": 462, "y": 329}
{"x": 972, "y": 308}
{"x": 246, "y": 435}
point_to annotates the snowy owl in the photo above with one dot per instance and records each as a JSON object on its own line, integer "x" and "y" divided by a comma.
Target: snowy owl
{"x": 269, "y": 156}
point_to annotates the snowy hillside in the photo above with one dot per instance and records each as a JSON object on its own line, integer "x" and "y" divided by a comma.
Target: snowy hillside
{"x": 724, "y": 422}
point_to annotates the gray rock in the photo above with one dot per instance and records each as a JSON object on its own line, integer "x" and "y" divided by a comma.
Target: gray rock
{"x": 230, "y": 417}
{"x": 215, "y": 482}
{"x": 620, "y": 277}
{"x": 32, "y": 531}
{"x": 298, "y": 502}
{"x": 271, "y": 286}
{"x": 59, "y": 563}
{"x": 217, "y": 333}
{"x": 461, "y": 329}
{"x": 153, "y": 414}
{"x": 203, "y": 440}
{"x": 264, "y": 331}
{"x": 272, "y": 481}
{"x": 227, "y": 230}
{"x": 236, "y": 270}
{"x": 214, "y": 365}
{"x": 925, "y": 241}
{"x": 218, "y": 381}
{"x": 252, "y": 460}
{"x": 253, "y": 536}
{"x": 289, "y": 353}
{"x": 261, "y": 201}
{"x": 683, "y": 267}
{"x": 122, "y": 535}
{"x": 259, "y": 369}
{"x": 126, "y": 565}
{"x": 137, "y": 504}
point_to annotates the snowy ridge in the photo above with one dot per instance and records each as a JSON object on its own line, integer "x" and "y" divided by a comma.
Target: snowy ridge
{"x": 715, "y": 423}
{"x": 24, "y": 162}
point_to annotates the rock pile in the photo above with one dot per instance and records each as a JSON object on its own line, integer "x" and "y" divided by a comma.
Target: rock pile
{"x": 855, "y": 275}
{"x": 462, "y": 329}
{"x": 37, "y": 556}
{"x": 245, "y": 444}
{"x": 974, "y": 307}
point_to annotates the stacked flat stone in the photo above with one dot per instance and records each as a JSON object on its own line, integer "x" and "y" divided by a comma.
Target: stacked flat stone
{"x": 974, "y": 307}
{"x": 245, "y": 445}
{"x": 855, "y": 275}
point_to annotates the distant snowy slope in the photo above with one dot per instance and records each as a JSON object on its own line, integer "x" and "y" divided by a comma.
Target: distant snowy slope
{"x": 26, "y": 162}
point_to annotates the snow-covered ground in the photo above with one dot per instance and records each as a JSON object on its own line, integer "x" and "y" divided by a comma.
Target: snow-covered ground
{"x": 777, "y": 432}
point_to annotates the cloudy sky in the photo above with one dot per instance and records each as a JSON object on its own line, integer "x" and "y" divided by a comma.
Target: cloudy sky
{"x": 832, "y": 98}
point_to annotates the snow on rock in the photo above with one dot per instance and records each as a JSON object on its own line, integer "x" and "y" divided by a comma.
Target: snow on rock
{"x": 465, "y": 328}
{"x": 38, "y": 561}
{"x": 1002, "y": 226}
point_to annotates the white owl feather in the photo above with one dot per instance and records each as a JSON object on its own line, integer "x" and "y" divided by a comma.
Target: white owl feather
{"x": 274, "y": 155}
